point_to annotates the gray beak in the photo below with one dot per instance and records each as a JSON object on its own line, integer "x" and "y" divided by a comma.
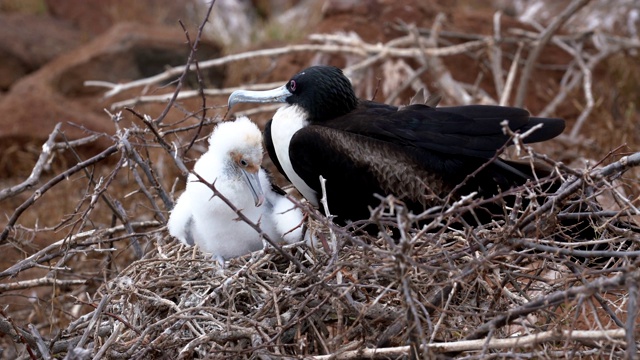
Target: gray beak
{"x": 278, "y": 95}
{"x": 253, "y": 181}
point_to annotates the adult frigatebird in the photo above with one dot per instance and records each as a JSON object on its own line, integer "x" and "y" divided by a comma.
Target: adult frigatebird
{"x": 417, "y": 153}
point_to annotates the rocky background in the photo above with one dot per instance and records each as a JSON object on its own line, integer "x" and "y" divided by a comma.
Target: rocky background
{"x": 49, "y": 49}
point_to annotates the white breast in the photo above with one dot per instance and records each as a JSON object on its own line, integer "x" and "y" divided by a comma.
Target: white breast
{"x": 286, "y": 122}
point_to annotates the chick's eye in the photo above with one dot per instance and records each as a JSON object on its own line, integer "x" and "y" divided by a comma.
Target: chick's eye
{"x": 292, "y": 85}
{"x": 244, "y": 163}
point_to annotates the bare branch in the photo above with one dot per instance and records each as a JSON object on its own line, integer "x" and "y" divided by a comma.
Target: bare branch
{"x": 39, "y": 192}
{"x": 51, "y": 251}
{"x": 602, "y": 284}
{"x": 511, "y": 77}
{"x": 471, "y": 345}
{"x": 43, "y": 159}
{"x": 45, "y": 281}
{"x": 186, "y": 68}
{"x": 543, "y": 39}
{"x": 364, "y": 51}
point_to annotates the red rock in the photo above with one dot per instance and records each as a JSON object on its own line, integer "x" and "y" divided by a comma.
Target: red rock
{"x": 22, "y": 48}
{"x": 56, "y": 92}
{"x": 95, "y": 17}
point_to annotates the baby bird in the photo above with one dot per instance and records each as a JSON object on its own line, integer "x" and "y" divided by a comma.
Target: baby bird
{"x": 233, "y": 165}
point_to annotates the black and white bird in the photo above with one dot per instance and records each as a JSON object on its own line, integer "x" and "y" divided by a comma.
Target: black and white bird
{"x": 417, "y": 153}
{"x": 233, "y": 164}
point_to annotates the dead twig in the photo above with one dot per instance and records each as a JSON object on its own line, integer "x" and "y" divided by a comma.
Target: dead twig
{"x": 34, "y": 177}
{"x": 56, "y": 179}
{"x": 542, "y": 41}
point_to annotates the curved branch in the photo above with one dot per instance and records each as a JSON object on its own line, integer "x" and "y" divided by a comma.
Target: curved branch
{"x": 38, "y": 193}
{"x": 47, "y": 149}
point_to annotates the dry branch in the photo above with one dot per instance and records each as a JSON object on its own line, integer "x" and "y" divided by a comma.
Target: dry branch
{"x": 55, "y": 180}
{"x": 34, "y": 177}
{"x": 362, "y": 49}
{"x": 598, "y": 285}
{"x": 542, "y": 41}
{"x": 57, "y": 247}
{"x": 26, "y": 284}
{"x": 471, "y": 345}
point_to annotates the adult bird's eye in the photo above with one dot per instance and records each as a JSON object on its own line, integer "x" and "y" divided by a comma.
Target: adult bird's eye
{"x": 244, "y": 163}
{"x": 292, "y": 85}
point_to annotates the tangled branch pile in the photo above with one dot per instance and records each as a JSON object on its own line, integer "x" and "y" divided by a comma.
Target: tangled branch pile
{"x": 430, "y": 290}
{"x": 117, "y": 286}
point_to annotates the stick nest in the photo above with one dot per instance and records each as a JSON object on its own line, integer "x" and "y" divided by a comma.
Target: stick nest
{"x": 430, "y": 288}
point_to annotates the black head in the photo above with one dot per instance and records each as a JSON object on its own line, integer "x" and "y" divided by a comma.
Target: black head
{"x": 323, "y": 91}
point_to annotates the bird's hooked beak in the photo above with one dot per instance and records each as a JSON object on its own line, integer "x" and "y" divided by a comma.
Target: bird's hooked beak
{"x": 278, "y": 95}
{"x": 253, "y": 181}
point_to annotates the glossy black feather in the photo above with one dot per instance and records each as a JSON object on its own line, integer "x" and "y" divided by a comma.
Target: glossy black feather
{"x": 470, "y": 130}
{"x": 355, "y": 174}
{"x": 418, "y": 153}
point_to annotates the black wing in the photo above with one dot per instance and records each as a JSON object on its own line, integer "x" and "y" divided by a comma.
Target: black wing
{"x": 357, "y": 167}
{"x": 473, "y": 130}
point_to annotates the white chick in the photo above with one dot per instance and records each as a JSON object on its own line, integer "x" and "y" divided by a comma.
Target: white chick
{"x": 233, "y": 165}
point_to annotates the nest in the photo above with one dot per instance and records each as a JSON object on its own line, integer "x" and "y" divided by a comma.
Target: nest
{"x": 477, "y": 291}
{"x": 553, "y": 275}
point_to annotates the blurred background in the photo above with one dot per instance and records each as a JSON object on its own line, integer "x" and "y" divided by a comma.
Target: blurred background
{"x": 49, "y": 48}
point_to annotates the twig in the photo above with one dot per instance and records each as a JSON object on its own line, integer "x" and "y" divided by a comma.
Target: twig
{"x": 571, "y": 186}
{"x": 200, "y": 89}
{"x": 511, "y": 77}
{"x": 43, "y": 159}
{"x": 42, "y": 347}
{"x": 9, "y": 327}
{"x": 186, "y": 68}
{"x": 56, "y": 179}
{"x": 471, "y": 345}
{"x": 365, "y": 50}
{"x": 148, "y": 171}
{"x": 187, "y": 94}
{"x": 97, "y": 313}
{"x": 160, "y": 139}
{"x": 618, "y": 167}
{"x": 528, "y": 244}
{"x": 439, "y": 71}
{"x": 542, "y": 41}
{"x": 496, "y": 56}
{"x": 601, "y": 284}
{"x": 46, "y": 254}
{"x": 112, "y": 338}
{"x": 587, "y": 80}
{"x": 45, "y": 281}
{"x": 325, "y": 205}
{"x": 415, "y": 75}
{"x": 632, "y": 317}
